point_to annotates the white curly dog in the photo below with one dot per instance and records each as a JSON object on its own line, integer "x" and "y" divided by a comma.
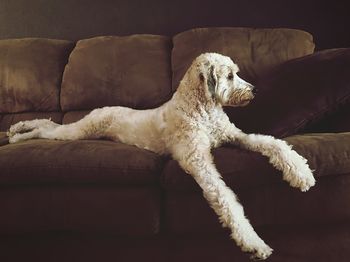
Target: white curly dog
{"x": 187, "y": 127}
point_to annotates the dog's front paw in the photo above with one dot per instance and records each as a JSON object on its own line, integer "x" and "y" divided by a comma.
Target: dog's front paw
{"x": 298, "y": 173}
{"x": 301, "y": 178}
{"x": 257, "y": 248}
{"x": 304, "y": 181}
{"x": 260, "y": 252}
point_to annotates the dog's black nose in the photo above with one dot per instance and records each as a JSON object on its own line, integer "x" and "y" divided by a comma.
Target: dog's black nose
{"x": 254, "y": 90}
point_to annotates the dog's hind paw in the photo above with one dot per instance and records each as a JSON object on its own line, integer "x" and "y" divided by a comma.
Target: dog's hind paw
{"x": 14, "y": 138}
{"x": 19, "y": 128}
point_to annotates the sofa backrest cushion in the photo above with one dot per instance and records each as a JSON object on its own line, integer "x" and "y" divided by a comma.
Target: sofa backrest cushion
{"x": 133, "y": 71}
{"x": 254, "y": 50}
{"x": 30, "y": 73}
{"x": 297, "y": 93}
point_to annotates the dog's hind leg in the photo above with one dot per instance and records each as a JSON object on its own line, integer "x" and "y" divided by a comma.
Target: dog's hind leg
{"x": 28, "y": 131}
{"x": 25, "y": 130}
{"x": 29, "y": 125}
{"x": 197, "y": 161}
{"x": 92, "y": 126}
{"x": 24, "y": 136}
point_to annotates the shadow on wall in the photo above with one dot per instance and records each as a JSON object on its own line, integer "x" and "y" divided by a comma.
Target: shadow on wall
{"x": 79, "y": 19}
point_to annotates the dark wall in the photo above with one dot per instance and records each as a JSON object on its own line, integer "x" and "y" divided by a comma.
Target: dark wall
{"x": 328, "y": 21}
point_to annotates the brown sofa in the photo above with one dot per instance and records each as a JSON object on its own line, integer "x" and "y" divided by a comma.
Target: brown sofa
{"x": 99, "y": 200}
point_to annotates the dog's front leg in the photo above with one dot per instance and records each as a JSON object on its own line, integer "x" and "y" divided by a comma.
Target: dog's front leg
{"x": 198, "y": 162}
{"x": 295, "y": 169}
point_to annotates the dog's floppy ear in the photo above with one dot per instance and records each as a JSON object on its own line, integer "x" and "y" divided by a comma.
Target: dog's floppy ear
{"x": 210, "y": 78}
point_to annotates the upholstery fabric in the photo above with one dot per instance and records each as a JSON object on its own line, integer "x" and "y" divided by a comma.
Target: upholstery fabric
{"x": 254, "y": 50}
{"x": 9, "y": 119}
{"x": 297, "y": 93}
{"x": 334, "y": 121}
{"x": 30, "y": 73}
{"x": 77, "y": 162}
{"x": 3, "y": 139}
{"x": 327, "y": 153}
{"x": 74, "y": 116}
{"x": 276, "y": 204}
{"x": 291, "y": 244}
{"x": 79, "y": 209}
{"x": 261, "y": 189}
{"x": 244, "y": 169}
{"x": 131, "y": 71}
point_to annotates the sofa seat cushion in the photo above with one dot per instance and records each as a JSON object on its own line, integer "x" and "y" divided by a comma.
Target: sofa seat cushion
{"x": 3, "y": 139}
{"x": 267, "y": 199}
{"x": 120, "y": 211}
{"x": 327, "y": 153}
{"x": 78, "y": 162}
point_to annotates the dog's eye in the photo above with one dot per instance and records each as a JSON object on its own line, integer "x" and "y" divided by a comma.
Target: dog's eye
{"x": 230, "y": 76}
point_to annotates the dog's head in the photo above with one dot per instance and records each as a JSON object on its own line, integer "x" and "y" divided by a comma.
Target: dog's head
{"x": 218, "y": 76}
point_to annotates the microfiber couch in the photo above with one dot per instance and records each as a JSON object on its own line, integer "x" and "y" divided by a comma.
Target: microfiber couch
{"x": 97, "y": 200}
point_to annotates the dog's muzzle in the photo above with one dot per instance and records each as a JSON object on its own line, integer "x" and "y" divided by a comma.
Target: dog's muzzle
{"x": 254, "y": 90}
{"x": 243, "y": 94}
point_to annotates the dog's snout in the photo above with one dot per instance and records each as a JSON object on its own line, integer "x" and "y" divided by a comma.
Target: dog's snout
{"x": 254, "y": 90}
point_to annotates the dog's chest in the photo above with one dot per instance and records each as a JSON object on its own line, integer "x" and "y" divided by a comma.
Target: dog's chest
{"x": 214, "y": 125}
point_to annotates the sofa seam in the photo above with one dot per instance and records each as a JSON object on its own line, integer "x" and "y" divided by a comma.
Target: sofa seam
{"x": 315, "y": 116}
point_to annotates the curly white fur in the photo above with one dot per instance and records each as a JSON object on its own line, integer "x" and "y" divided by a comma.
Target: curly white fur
{"x": 187, "y": 127}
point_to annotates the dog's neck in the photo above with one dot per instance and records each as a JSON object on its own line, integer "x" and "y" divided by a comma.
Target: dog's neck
{"x": 194, "y": 100}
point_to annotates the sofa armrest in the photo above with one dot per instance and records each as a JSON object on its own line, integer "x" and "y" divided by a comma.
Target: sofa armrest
{"x": 298, "y": 93}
